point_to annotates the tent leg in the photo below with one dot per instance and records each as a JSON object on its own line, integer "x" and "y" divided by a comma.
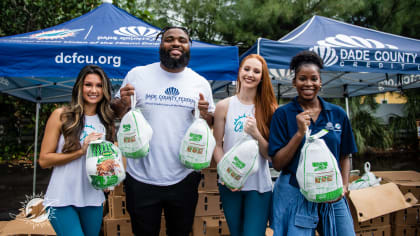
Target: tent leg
{"x": 348, "y": 115}
{"x": 38, "y": 105}
{"x": 347, "y": 107}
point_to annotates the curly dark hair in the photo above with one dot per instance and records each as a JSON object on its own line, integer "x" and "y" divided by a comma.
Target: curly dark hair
{"x": 305, "y": 58}
{"x": 163, "y": 31}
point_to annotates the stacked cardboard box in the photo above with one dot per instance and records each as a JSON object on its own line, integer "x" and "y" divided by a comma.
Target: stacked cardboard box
{"x": 117, "y": 221}
{"x": 406, "y": 221}
{"x": 209, "y": 218}
{"x": 372, "y": 208}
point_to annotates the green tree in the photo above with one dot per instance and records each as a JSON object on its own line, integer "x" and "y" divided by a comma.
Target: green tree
{"x": 369, "y": 131}
{"x": 242, "y": 22}
{"x": 21, "y": 16}
{"x": 404, "y": 127}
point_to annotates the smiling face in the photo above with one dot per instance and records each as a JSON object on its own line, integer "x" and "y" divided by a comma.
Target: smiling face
{"x": 307, "y": 82}
{"x": 250, "y": 73}
{"x": 175, "y": 49}
{"x": 92, "y": 89}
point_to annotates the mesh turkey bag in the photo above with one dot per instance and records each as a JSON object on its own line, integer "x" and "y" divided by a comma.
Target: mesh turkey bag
{"x": 318, "y": 175}
{"x": 104, "y": 166}
{"x": 198, "y": 145}
{"x": 240, "y": 162}
{"x": 134, "y": 133}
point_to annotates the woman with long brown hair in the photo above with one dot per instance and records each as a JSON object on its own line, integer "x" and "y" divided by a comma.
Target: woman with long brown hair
{"x": 250, "y": 111}
{"x": 75, "y": 206}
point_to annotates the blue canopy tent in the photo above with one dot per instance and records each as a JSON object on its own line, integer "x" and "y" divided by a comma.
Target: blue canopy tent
{"x": 41, "y": 66}
{"x": 357, "y": 60}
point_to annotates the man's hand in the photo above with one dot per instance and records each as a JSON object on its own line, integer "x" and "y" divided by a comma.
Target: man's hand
{"x": 203, "y": 106}
{"x": 125, "y": 94}
{"x": 123, "y": 104}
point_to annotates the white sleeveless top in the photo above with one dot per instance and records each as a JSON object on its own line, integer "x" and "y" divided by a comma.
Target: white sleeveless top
{"x": 69, "y": 184}
{"x": 234, "y": 125}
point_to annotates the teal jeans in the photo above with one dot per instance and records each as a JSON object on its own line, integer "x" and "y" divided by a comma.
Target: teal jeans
{"x": 76, "y": 221}
{"x": 246, "y": 212}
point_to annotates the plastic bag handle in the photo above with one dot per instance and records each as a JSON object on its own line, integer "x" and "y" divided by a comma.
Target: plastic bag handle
{"x": 367, "y": 167}
{"x": 196, "y": 111}
{"x": 133, "y": 101}
{"x": 307, "y": 133}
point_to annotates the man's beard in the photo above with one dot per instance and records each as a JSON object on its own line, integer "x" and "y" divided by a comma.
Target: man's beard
{"x": 171, "y": 63}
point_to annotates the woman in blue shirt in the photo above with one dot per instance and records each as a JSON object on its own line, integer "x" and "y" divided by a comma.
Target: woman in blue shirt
{"x": 292, "y": 214}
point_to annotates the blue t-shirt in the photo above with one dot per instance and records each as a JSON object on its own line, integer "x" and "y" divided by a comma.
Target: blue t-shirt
{"x": 283, "y": 127}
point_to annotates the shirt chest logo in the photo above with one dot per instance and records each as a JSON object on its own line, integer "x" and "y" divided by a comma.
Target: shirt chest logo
{"x": 330, "y": 126}
{"x": 170, "y": 96}
{"x": 239, "y": 122}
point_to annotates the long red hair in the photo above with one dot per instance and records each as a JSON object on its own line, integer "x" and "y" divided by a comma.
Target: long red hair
{"x": 265, "y": 101}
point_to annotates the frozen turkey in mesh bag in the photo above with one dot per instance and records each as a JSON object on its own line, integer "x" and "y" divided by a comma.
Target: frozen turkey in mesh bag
{"x": 134, "y": 133}
{"x": 104, "y": 166}
{"x": 198, "y": 144}
{"x": 318, "y": 174}
{"x": 240, "y": 162}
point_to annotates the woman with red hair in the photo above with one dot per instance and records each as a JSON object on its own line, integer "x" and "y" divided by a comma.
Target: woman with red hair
{"x": 250, "y": 111}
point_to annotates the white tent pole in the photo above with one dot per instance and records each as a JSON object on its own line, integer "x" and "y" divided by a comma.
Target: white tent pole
{"x": 347, "y": 107}
{"x": 38, "y": 105}
{"x": 258, "y": 46}
{"x": 346, "y": 92}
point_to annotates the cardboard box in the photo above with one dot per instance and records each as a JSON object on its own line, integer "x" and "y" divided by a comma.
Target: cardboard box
{"x": 25, "y": 227}
{"x": 118, "y": 190}
{"x": 208, "y": 204}
{"x": 376, "y": 231}
{"x": 384, "y": 220}
{"x": 407, "y": 181}
{"x": 373, "y": 202}
{"x": 113, "y": 227}
{"x": 208, "y": 180}
{"x": 117, "y": 207}
{"x": 409, "y": 216}
{"x": 210, "y": 226}
{"x": 405, "y": 230}
{"x": 2, "y": 224}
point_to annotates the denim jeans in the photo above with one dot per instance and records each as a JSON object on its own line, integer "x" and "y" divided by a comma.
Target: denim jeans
{"x": 293, "y": 215}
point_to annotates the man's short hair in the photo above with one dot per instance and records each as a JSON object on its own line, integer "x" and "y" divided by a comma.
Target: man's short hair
{"x": 163, "y": 31}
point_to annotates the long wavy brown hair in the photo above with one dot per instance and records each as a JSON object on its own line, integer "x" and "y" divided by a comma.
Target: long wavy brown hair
{"x": 73, "y": 116}
{"x": 265, "y": 100}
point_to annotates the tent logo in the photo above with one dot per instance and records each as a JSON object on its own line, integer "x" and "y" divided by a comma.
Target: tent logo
{"x": 328, "y": 54}
{"x": 341, "y": 40}
{"x": 136, "y": 31}
{"x": 55, "y": 34}
{"x": 281, "y": 74}
{"x": 4, "y": 81}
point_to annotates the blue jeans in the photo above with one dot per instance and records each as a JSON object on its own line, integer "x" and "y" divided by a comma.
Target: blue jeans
{"x": 293, "y": 215}
{"x": 246, "y": 212}
{"x": 76, "y": 221}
